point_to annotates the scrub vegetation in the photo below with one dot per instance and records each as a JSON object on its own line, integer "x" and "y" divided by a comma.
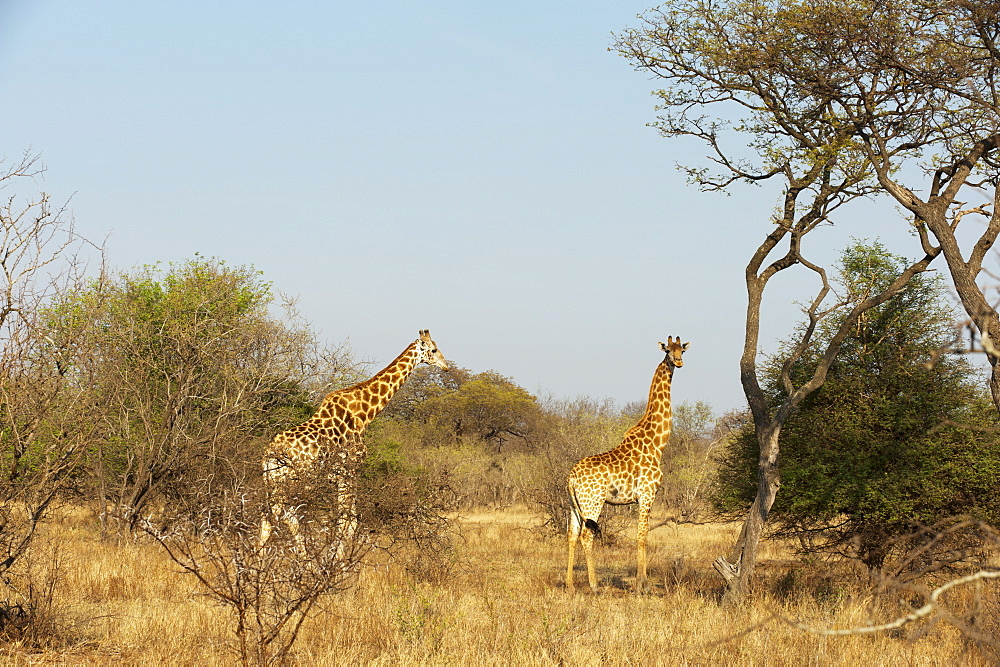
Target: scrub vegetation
{"x": 136, "y": 406}
{"x": 858, "y": 492}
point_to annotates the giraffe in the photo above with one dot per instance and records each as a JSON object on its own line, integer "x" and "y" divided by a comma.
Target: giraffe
{"x": 334, "y": 437}
{"x": 629, "y": 473}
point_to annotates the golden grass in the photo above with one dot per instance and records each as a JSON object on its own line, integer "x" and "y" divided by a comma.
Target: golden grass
{"x": 503, "y": 602}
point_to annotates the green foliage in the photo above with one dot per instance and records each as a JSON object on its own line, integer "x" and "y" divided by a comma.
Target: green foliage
{"x": 192, "y": 371}
{"x": 483, "y": 407}
{"x": 893, "y": 438}
{"x": 384, "y": 458}
{"x": 818, "y": 84}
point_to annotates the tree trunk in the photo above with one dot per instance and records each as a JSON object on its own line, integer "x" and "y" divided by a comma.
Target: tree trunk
{"x": 738, "y": 568}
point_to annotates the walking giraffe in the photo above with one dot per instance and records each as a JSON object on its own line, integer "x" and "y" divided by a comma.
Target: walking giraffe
{"x": 629, "y": 473}
{"x": 334, "y": 437}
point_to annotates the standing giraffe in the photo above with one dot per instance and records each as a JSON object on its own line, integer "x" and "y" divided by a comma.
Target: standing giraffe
{"x": 334, "y": 438}
{"x": 629, "y": 473}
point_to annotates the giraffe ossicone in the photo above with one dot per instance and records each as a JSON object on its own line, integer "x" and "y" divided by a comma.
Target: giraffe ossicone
{"x": 629, "y": 473}
{"x": 334, "y": 437}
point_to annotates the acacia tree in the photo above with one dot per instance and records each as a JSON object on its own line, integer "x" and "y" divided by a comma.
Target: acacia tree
{"x": 485, "y": 407}
{"x": 713, "y": 61}
{"x": 880, "y": 446}
{"x": 917, "y": 86}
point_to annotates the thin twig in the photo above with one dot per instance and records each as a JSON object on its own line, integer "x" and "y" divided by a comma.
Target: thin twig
{"x": 915, "y": 615}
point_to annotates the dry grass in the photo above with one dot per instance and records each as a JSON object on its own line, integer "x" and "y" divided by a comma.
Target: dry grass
{"x": 503, "y": 602}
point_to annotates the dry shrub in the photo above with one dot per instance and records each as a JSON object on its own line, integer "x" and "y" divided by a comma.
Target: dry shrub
{"x": 939, "y": 555}
{"x": 404, "y": 513}
{"x": 504, "y": 603}
{"x": 32, "y": 615}
{"x": 951, "y": 547}
{"x": 269, "y": 590}
{"x": 943, "y": 579}
{"x": 47, "y": 404}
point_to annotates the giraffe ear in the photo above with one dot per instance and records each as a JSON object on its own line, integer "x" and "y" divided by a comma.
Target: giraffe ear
{"x": 685, "y": 346}
{"x": 663, "y": 346}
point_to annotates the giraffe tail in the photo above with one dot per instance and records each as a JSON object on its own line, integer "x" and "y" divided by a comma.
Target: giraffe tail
{"x": 575, "y": 509}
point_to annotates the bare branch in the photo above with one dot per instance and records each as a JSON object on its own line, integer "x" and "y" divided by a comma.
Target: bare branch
{"x": 916, "y": 615}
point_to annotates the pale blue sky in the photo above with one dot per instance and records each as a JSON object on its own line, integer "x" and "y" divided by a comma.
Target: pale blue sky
{"x": 482, "y": 169}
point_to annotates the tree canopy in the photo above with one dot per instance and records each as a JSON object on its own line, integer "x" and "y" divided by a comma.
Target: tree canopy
{"x": 189, "y": 369}
{"x": 884, "y": 445}
{"x": 836, "y": 100}
{"x": 486, "y": 407}
{"x": 891, "y": 98}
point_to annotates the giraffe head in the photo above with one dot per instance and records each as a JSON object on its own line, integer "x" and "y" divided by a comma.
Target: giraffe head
{"x": 674, "y": 349}
{"x": 428, "y": 352}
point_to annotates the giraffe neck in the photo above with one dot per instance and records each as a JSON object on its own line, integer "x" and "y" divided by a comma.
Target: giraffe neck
{"x": 373, "y": 394}
{"x": 657, "y": 420}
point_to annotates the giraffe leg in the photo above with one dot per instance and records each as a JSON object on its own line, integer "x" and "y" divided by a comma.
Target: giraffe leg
{"x": 265, "y": 530}
{"x": 288, "y": 515}
{"x": 348, "y": 532}
{"x": 291, "y": 520}
{"x": 282, "y": 514}
{"x": 573, "y": 533}
{"x": 346, "y": 524}
{"x": 265, "y": 521}
{"x": 587, "y": 539}
{"x": 277, "y": 473}
{"x": 642, "y": 533}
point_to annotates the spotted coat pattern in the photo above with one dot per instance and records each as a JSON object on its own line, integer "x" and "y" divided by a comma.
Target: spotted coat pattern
{"x": 629, "y": 473}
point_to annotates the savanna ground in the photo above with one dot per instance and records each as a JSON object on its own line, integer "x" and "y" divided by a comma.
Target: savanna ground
{"x": 497, "y": 598}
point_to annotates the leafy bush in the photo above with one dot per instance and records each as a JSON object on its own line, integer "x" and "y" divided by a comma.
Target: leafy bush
{"x": 191, "y": 375}
{"x": 899, "y": 436}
